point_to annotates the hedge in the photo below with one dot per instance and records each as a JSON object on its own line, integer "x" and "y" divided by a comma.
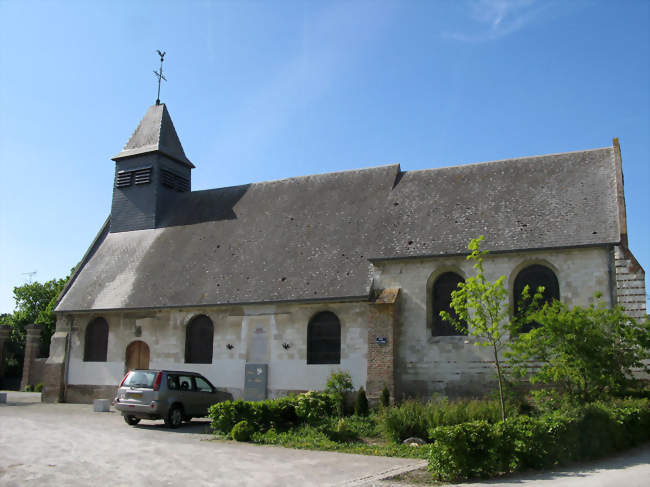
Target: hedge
{"x": 481, "y": 449}
{"x": 281, "y": 414}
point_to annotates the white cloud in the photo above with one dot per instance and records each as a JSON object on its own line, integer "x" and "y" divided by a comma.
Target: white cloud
{"x": 493, "y": 19}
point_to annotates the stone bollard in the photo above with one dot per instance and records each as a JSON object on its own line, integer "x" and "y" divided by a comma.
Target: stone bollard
{"x": 3, "y": 398}
{"x": 101, "y": 405}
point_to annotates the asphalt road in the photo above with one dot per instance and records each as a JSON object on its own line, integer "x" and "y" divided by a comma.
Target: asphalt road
{"x": 69, "y": 444}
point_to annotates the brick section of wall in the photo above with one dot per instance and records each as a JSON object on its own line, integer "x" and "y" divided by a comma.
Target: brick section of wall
{"x": 630, "y": 283}
{"x": 32, "y": 347}
{"x": 381, "y": 357}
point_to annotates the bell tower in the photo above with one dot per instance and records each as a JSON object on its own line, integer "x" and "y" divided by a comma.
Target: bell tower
{"x": 150, "y": 169}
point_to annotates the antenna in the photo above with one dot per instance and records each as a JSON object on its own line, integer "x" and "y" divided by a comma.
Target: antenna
{"x": 159, "y": 75}
{"x": 30, "y": 275}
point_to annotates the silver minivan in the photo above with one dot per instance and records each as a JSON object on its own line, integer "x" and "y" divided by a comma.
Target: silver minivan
{"x": 173, "y": 396}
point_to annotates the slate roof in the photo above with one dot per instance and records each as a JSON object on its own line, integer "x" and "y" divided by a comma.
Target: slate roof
{"x": 315, "y": 237}
{"x": 155, "y": 132}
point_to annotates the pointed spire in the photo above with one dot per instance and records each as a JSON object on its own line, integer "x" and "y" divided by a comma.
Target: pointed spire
{"x": 155, "y": 133}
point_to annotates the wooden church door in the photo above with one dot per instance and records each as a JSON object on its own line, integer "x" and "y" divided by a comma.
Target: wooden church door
{"x": 137, "y": 356}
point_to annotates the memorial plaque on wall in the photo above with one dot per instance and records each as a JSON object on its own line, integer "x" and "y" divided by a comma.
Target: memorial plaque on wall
{"x": 255, "y": 382}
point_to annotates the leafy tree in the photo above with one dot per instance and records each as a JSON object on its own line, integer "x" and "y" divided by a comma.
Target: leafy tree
{"x": 34, "y": 304}
{"x": 584, "y": 352}
{"x": 482, "y": 310}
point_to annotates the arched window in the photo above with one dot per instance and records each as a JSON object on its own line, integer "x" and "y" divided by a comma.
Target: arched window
{"x": 96, "y": 341}
{"x": 535, "y": 276}
{"x": 324, "y": 339}
{"x": 441, "y": 301}
{"x": 198, "y": 340}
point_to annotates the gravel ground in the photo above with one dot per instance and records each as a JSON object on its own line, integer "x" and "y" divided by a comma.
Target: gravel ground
{"x": 69, "y": 444}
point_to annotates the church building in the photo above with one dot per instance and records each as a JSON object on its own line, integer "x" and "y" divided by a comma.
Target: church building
{"x": 300, "y": 277}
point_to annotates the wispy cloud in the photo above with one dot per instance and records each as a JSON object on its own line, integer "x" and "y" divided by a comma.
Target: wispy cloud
{"x": 493, "y": 19}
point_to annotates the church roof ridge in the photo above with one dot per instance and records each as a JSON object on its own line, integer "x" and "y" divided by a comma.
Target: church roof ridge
{"x": 155, "y": 133}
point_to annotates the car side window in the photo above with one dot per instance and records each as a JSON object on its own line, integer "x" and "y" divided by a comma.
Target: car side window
{"x": 172, "y": 382}
{"x": 202, "y": 385}
{"x": 186, "y": 383}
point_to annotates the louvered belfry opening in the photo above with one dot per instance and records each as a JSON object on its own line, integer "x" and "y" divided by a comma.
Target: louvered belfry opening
{"x": 441, "y": 301}
{"x": 198, "y": 341}
{"x": 324, "y": 339}
{"x": 96, "y": 341}
{"x": 534, "y": 276}
{"x": 174, "y": 181}
{"x": 126, "y": 178}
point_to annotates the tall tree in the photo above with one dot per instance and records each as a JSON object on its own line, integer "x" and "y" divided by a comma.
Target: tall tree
{"x": 483, "y": 306}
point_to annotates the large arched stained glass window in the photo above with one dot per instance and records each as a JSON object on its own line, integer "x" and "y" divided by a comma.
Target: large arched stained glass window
{"x": 441, "y": 301}
{"x": 324, "y": 339}
{"x": 534, "y": 276}
{"x": 198, "y": 340}
{"x": 96, "y": 341}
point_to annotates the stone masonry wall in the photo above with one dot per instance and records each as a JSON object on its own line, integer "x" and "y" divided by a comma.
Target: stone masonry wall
{"x": 454, "y": 365}
{"x": 256, "y": 334}
{"x": 630, "y": 283}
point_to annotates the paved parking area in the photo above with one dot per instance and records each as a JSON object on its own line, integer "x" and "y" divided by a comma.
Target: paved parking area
{"x": 69, "y": 444}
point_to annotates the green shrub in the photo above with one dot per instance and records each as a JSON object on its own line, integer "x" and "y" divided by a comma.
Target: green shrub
{"x": 385, "y": 397}
{"x": 408, "y": 419}
{"x": 343, "y": 432}
{"x": 338, "y": 384}
{"x": 314, "y": 407}
{"x": 281, "y": 414}
{"x": 242, "y": 431}
{"x": 414, "y": 418}
{"x": 361, "y": 403}
{"x": 481, "y": 449}
{"x": 28, "y": 388}
{"x": 38, "y": 387}
{"x": 468, "y": 450}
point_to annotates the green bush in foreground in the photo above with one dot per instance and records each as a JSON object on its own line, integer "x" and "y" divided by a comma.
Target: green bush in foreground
{"x": 38, "y": 387}
{"x": 242, "y": 431}
{"x": 28, "y": 388}
{"x": 481, "y": 449}
{"x": 282, "y": 413}
{"x": 414, "y": 418}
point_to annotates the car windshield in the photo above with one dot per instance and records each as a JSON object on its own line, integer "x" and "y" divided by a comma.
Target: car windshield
{"x": 140, "y": 378}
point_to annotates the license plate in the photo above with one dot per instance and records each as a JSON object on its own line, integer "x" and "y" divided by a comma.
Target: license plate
{"x": 135, "y": 395}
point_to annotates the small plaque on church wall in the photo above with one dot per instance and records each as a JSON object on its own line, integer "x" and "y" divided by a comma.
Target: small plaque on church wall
{"x": 382, "y": 340}
{"x": 255, "y": 382}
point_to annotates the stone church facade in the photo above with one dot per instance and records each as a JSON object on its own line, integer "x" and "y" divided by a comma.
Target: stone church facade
{"x": 341, "y": 271}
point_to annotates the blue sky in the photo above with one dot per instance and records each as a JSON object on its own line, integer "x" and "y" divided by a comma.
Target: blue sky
{"x": 273, "y": 89}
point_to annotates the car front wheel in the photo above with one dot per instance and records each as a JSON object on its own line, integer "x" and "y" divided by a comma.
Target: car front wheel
{"x": 175, "y": 417}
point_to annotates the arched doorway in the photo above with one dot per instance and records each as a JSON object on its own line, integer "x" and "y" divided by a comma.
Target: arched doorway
{"x": 137, "y": 356}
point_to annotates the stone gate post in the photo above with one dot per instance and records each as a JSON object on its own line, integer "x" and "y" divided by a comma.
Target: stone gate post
{"x": 32, "y": 347}
{"x": 5, "y": 330}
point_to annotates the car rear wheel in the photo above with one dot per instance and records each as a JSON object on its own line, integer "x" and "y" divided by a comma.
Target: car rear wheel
{"x": 175, "y": 417}
{"x": 131, "y": 420}
{"x": 187, "y": 419}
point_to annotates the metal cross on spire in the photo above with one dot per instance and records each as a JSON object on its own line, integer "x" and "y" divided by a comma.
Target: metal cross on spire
{"x": 159, "y": 75}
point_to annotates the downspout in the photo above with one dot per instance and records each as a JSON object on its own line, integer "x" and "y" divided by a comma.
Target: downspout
{"x": 611, "y": 258}
{"x": 68, "y": 342}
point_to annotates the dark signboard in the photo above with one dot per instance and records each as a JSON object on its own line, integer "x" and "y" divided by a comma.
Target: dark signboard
{"x": 255, "y": 382}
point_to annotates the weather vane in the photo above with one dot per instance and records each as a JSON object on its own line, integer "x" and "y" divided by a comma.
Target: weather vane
{"x": 159, "y": 75}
